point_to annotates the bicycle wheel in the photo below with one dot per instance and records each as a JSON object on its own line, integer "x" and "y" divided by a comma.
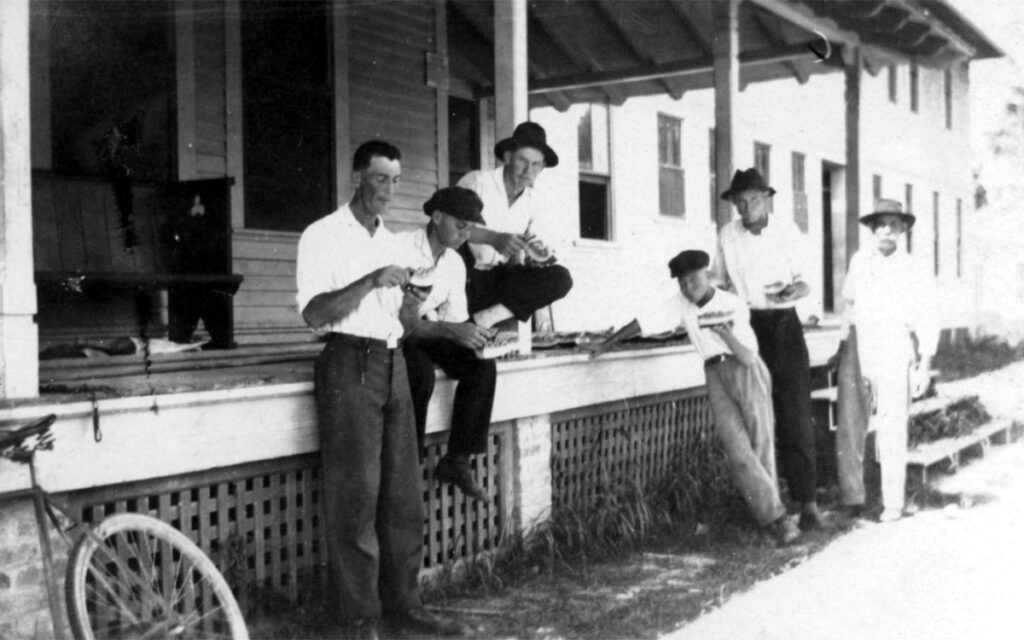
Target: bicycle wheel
{"x": 134, "y": 576}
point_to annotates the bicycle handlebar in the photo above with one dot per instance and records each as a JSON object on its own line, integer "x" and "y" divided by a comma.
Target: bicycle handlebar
{"x": 12, "y": 438}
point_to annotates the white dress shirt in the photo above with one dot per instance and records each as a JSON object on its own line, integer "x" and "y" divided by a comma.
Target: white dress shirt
{"x": 891, "y": 297}
{"x": 747, "y": 262}
{"x": 447, "y": 299}
{"x": 676, "y": 310}
{"x": 499, "y": 216}
{"x": 337, "y": 250}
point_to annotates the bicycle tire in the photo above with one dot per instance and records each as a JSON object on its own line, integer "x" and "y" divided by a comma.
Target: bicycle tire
{"x": 135, "y": 576}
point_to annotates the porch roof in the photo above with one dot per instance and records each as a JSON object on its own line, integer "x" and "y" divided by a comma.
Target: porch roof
{"x": 602, "y": 50}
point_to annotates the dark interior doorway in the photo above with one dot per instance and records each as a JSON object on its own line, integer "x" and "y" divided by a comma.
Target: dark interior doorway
{"x": 463, "y": 137}
{"x": 288, "y": 129}
{"x": 828, "y": 284}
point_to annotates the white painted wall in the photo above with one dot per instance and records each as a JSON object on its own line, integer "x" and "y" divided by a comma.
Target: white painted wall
{"x": 613, "y": 279}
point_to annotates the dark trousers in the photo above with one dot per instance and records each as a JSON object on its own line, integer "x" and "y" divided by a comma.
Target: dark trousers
{"x": 474, "y": 394}
{"x": 188, "y": 303}
{"x": 371, "y": 476}
{"x": 520, "y": 288}
{"x": 780, "y": 338}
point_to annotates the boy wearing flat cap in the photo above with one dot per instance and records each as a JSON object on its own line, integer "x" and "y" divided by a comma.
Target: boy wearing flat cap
{"x": 443, "y": 336}
{"x": 738, "y": 384}
{"x": 891, "y": 303}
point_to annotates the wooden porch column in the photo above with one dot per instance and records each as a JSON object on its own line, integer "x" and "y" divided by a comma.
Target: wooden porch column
{"x": 19, "y": 337}
{"x": 726, "y": 73}
{"x": 511, "y": 100}
{"x": 852, "y": 70}
{"x": 185, "y": 88}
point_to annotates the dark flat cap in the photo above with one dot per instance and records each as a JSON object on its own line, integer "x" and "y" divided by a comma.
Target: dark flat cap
{"x": 457, "y": 202}
{"x": 748, "y": 180}
{"x": 687, "y": 262}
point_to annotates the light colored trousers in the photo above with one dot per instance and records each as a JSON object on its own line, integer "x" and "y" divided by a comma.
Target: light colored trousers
{"x": 741, "y": 401}
{"x": 885, "y": 361}
{"x": 891, "y": 384}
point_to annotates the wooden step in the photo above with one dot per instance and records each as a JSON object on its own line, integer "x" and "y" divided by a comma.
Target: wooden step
{"x": 952, "y": 450}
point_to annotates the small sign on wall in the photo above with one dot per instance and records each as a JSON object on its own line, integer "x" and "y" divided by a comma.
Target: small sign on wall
{"x": 437, "y": 71}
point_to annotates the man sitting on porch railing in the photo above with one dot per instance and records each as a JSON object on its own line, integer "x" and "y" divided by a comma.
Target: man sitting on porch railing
{"x": 351, "y": 275}
{"x": 443, "y": 336}
{"x": 511, "y": 273}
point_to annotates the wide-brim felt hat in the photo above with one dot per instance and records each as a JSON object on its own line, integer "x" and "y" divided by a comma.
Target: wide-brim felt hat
{"x": 527, "y": 134}
{"x": 687, "y": 262}
{"x": 887, "y": 207}
{"x": 749, "y": 180}
{"x": 457, "y": 202}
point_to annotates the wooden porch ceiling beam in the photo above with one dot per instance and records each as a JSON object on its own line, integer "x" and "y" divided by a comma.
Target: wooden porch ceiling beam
{"x": 924, "y": 15}
{"x": 685, "y": 12}
{"x": 604, "y": 13}
{"x": 805, "y": 18}
{"x": 540, "y": 31}
{"x": 801, "y": 73}
{"x": 671, "y": 69}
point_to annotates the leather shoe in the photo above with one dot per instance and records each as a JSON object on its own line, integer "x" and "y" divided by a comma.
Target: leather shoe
{"x": 361, "y": 629}
{"x": 422, "y": 622}
{"x": 811, "y": 521}
{"x": 457, "y": 472}
{"x": 784, "y": 531}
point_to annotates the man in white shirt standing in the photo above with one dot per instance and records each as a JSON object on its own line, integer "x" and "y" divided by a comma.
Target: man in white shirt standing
{"x": 500, "y": 284}
{"x": 761, "y": 258}
{"x": 443, "y": 336}
{"x": 739, "y": 387}
{"x": 350, "y": 277}
{"x": 891, "y": 303}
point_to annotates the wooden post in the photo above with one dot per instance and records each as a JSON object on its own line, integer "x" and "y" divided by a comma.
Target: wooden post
{"x": 511, "y": 100}
{"x": 342, "y": 134}
{"x": 441, "y": 86}
{"x": 233, "y": 109}
{"x": 853, "y": 75}
{"x": 19, "y": 337}
{"x": 726, "y": 73}
{"x": 185, "y": 84}
{"x": 510, "y": 66}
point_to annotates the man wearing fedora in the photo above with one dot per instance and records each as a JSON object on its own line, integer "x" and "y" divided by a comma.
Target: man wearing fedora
{"x": 890, "y": 302}
{"x": 501, "y": 285}
{"x": 443, "y": 336}
{"x": 762, "y": 258}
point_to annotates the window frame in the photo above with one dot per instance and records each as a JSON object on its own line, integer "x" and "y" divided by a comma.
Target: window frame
{"x": 667, "y": 165}
{"x": 763, "y": 160}
{"x": 600, "y": 175}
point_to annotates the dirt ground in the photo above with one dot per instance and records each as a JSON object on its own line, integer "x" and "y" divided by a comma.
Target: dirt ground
{"x": 931, "y": 575}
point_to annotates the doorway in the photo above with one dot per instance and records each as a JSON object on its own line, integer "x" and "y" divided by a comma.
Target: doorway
{"x": 833, "y": 234}
{"x": 463, "y": 138}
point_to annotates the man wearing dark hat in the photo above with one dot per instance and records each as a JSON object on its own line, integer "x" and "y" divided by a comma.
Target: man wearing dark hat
{"x": 762, "y": 258}
{"x": 890, "y": 302}
{"x": 738, "y": 383}
{"x": 443, "y": 336}
{"x": 501, "y": 284}
{"x": 351, "y": 274}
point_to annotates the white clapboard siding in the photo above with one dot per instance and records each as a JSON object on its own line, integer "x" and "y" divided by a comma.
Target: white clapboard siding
{"x": 265, "y": 303}
{"x": 389, "y": 97}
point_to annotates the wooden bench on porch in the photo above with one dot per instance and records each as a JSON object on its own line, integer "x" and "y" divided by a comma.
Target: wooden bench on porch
{"x": 99, "y": 262}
